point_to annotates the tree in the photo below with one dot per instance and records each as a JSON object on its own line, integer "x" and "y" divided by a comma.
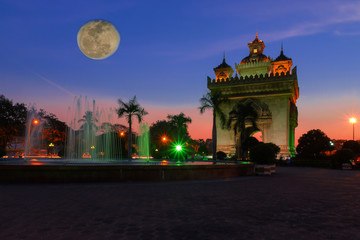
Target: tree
{"x": 313, "y": 143}
{"x": 242, "y": 119}
{"x": 198, "y": 147}
{"x": 128, "y": 110}
{"x": 54, "y": 130}
{"x": 88, "y": 121}
{"x": 353, "y": 145}
{"x": 344, "y": 155}
{"x": 179, "y": 127}
{"x": 160, "y": 138}
{"x": 212, "y": 101}
{"x": 12, "y": 120}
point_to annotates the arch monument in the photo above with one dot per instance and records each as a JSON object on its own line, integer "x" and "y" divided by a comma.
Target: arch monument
{"x": 272, "y": 88}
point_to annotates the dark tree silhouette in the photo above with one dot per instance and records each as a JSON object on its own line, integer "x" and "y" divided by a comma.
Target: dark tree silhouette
{"x": 128, "y": 110}
{"x": 313, "y": 143}
{"x": 242, "y": 117}
{"x": 213, "y": 101}
{"x": 179, "y": 124}
{"x": 353, "y": 145}
{"x": 12, "y": 120}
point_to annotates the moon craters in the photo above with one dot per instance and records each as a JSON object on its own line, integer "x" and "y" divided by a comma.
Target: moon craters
{"x": 98, "y": 39}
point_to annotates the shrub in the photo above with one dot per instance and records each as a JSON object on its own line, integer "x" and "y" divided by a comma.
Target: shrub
{"x": 275, "y": 148}
{"x": 156, "y": 155}
{"x": 233, "y": 158}
{"x": 220, "y": 155}
{"x": 2, "y": 152}
{"x": 342, "y": 156}
{"x": 353, "y": 145}
{"x": 263, "y": 153}
{"x": 249, "y": 142}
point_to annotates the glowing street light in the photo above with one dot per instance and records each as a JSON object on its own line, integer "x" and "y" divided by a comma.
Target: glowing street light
{"x": 353, "y": 121}
{"x": 178, "y": 148}
{"x": 122, "y": 134}
{"x": 35, "y": 122}
{"x": 51, "y": 145}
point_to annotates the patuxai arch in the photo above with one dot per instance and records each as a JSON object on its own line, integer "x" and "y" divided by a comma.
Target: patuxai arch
{"x": 272, "y": 88}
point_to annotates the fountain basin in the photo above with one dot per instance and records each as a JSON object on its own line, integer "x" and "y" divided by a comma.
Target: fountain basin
{"x": 52, "y": 173}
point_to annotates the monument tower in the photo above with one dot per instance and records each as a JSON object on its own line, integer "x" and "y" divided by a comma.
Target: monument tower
{"x": 272, "y": 88}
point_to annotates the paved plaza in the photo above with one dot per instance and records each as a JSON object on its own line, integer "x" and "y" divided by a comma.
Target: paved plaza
{"x": 296, "y": 203}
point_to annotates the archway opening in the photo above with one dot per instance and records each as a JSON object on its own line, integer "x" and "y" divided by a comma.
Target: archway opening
{"x": 258, "y": 135}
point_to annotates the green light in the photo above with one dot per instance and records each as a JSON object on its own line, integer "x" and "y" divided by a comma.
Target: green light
{"x": 178, "y": 149}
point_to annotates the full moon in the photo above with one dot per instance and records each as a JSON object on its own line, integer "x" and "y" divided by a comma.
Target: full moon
{"x": 98, "y": 39}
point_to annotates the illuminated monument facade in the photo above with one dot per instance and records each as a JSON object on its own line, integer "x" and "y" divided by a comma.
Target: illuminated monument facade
{"x": 272, "y": 88}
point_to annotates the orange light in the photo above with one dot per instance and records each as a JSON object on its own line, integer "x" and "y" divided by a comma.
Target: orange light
{"x": 164, "y": 139}
{"x": 122, "y": 134}
{"x": 36, "y": 121}
{"x": 352, "y": 120}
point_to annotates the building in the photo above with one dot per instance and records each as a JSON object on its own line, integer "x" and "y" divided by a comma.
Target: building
{"x": 271, "y": 86}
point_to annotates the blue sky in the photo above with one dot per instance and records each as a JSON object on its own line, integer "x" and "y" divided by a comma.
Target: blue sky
{"x": 168, "y": 48}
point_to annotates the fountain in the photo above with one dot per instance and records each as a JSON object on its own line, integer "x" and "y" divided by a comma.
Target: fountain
{"x": 34, "y": 139}
{"x": 144, "y": 141}
{"x": 93, "y": 153}
{"x": 91, "y": 134}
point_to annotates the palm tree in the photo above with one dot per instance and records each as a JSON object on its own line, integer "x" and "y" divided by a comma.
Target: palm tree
{"x": 128, "y": 110}
{"x": 88, "y": 121}
{"x": 88, "y": 130}
{"x": 240, "y": 117}
{"x": 213, "y": 101}
{"x": 179, "y": 123}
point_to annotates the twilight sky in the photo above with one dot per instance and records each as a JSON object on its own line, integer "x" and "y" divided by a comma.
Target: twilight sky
{"x": 168, "y": 48}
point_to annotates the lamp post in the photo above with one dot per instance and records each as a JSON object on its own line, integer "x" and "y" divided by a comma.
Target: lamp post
{"x": 51, "y": 145}
{"x": 92, "y": 151}
{"x": 35, "y": 122}
{"x": 353, "y": 121}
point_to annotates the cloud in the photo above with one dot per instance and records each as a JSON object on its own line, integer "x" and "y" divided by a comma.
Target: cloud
{"x": 311, "y": 21}
{"x": 340, "y": 33}
{"x": 55, "y": 84}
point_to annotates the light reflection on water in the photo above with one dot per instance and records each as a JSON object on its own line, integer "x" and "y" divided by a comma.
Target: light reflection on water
{"x": 50, "y": 161}
{"x": 35, "y": 162}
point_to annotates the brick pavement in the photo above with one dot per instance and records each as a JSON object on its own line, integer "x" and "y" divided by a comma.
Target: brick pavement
{"x": 297, "y": 203}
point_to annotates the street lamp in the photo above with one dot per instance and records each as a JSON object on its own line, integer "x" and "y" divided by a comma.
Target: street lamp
{"x": 51, "y": 145}
{"x": 353, "y": 121}
{"x": 93, "y": 153}
{"x": 35, "y": 122}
